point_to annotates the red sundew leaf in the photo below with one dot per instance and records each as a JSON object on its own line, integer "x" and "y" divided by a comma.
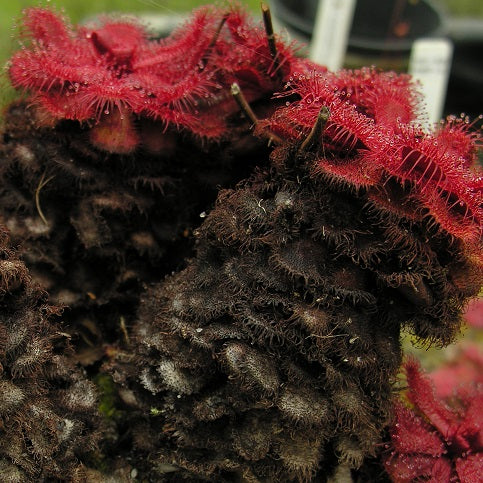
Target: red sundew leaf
{"x": 457, "y": 137}
{"x": 56, "y": 58}
{"x": 461, "y": 217}
{"x": 442, "y": 471}
{"x": 47, "y": 28}
{"x": 347, "y": 130}
{"x": 471, "y": 426}
{"x": 250, "y": 63}
{"x": 403, "y": 468}
{"x": 238, "y": 26}
{"x": 354, "y": 171}
{"x": 48, "y": 71}
{"x": 96, "y": 77}
{"x": 470, "y": 469}
{"x": 421, "y": 394}
{"x": 386, "y": 97}
{"x": 237, "y": 58}
{"x": 183, "y": 95}
{"x": 208, "y": 125}
{"x": 58, "y": 106}
{"x": 90, "y": 102}
{"x": 412, "y": 435}
{"x": 183, "y": 49}
{"x": 451, "y": 192}
{"x": 417, "y": 157}
{"x": 349, "y": 137}
{"x": 315, "y": 86}
{"x": 391, "y": 105}
{"x": 99, "y": 99}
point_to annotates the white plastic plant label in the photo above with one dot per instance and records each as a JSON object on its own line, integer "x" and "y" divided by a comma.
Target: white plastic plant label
{"x": 331, "y": 32}
{"x": 430, "y": 64}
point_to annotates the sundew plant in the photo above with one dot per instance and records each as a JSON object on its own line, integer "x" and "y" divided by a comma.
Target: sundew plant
{"x": 237, "y": 237}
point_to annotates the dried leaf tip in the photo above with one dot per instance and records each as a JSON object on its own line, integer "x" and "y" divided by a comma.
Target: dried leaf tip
{"x": 267, "y": 22}
{"x": 317, "y": 129}
{"x": 242, "y": 103}
{"x": 240, "y": 99}
{"x": 218, "y": 30}
{"x": 213, "y": 41}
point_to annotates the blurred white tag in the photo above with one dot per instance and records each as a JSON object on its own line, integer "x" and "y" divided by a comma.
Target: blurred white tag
{"x": 430, "y": 64}
{"x": 331, "y": 32}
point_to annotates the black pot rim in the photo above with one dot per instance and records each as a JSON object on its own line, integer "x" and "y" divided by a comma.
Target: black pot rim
{"x": 303, "y": 27}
